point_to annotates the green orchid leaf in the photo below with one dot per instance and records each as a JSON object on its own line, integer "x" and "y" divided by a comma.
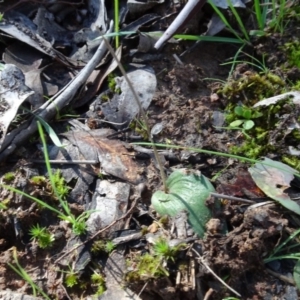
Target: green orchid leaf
{"x": 248, "y": 124}
{"x": 273, "y": 178}
{"x": 188, "y": 191}
{"x": 239, "y": 111}
{"x": 247, "y": 113}
{"x": 236, "y": 123}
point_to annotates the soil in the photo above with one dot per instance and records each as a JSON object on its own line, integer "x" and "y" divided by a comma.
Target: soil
{"x": 190, "y": 106}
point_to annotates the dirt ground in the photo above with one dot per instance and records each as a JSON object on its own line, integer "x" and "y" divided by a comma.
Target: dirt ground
{"x": 189, "y": 104}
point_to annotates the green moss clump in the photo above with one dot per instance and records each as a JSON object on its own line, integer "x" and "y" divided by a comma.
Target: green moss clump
{"x": 292, "y": 51}
{"x": 266, "y": 135}
{"x": 8, "y": 177}
{"x": 98, "y": 246}
{"x": 99, "y": 281}
{"x": 38, "y": 180}
{"x": 4, "y": 204}
{"x": 296, "y": 86}
{"x": 253, "y": 87}
{"x": 105, "y": 98}
{"x": 292, "y": 161}
{"x": 146, "y": 267}
{"x": 251, "y": 149}
{"x": 60, "y": 185}
{"x": 296, "y": 134}
{"x": 112, "y": 85}
{"x": 102, "y": 246}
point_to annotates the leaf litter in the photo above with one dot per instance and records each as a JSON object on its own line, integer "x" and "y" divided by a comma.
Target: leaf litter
{"x": 115, "y": 181}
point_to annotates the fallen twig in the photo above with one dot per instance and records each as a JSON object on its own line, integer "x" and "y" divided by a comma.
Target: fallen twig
{"x": 232, "y": 198}
{"x": 190, "y": 9}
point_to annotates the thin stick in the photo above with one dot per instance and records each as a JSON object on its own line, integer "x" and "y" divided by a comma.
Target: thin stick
{"x": 62, "y": 161}
{"x": 161, "y": 169}
{"x": 232, "y": 198}
{"x": 212, "y": 272}
{"x": 191, "y": 8}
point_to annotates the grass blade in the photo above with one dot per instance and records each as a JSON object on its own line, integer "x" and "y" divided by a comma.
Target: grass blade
{"x": 116, "y": 20}
{"x": 258, "y": 14}
{"x": 239, "y": 20}
{"x": 208, "y": 38}
{"x": 40, "y": 202}
{"x": 51, "y": 176}
{"x": 224, "y": 20}
{"x": 52, "y": 134}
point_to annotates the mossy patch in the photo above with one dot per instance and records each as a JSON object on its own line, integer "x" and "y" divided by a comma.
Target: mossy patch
{"x": 112, "y": 83}
{"x": 292, "y": 161}
{"x": 292, "y": 51}
{"x": 9, "y": 177}
{"x": 252, "y": 87}
{"x": 146, "y": 266}
{"x": 269, "y": 132}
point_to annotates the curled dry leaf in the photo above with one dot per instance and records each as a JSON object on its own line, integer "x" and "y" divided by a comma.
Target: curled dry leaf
{"x": 273, "y": 178}
{"x": 115, "y": 159}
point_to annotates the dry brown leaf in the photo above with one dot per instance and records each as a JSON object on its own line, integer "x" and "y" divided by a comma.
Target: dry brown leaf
{"x": 115, "y": 159}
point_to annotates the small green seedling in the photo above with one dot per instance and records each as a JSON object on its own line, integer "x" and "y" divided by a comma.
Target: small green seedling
{"x": 60, "y": 184}
{"x": 245, "y": 122}
{"x": 109, "y": 247}
{"x": 71, "y": 277}
{"x": 4, "y": 204}
{"x": 98, "y": 280}
{"x": 139, "y": 126}
{"x": 161, "y": 248}
{"x": 42, "y": 236}
{"x": 112, "y": 83}
{"x": 247, "y": 115}
{"x": 66, "y": 114}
